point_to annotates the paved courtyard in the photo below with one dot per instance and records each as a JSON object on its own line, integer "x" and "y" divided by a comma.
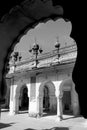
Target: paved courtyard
{"x": 24, "y": 122}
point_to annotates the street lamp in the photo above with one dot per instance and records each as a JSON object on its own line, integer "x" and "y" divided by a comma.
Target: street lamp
{"x": 16, "y": 56}
{"x": 36, "y": 50}
{"x": 57, "y": 45}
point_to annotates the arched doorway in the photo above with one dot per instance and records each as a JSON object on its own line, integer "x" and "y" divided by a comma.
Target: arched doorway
{"x": 23, "y": 99}
{"x": 66, "y": 102}
{"x": 47, "y": 99}
{"x": 69, "y": 98}
{"x": 46, "y": 102}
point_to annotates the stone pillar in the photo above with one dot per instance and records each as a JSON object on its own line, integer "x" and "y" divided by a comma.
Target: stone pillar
{"x": 16, "y": 104}
{"x": 59, "y": 99}
{"x": 32, "y": 107}
{"x": 39, "y": 99}
{"x": 11, "y": 111}
{"x": 39, "y": 106}
{"x": 12, "y": 106}
{"x": 36, "y": 107}
{"x": 59, "y": 108}
{"x": 32, "y": 110}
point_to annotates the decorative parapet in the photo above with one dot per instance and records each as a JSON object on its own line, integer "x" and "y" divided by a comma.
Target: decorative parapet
{"x": 67, "y": 54}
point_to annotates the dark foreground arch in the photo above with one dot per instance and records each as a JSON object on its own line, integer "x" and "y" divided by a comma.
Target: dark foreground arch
{"x": 15, "y": 22}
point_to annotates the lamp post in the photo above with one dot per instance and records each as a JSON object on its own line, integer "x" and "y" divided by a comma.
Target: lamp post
{"x": 13, "y": 58}
{"x": 16, "y": 57}
{"x": 57, "y": 45}
{"x": 36, "y": 50}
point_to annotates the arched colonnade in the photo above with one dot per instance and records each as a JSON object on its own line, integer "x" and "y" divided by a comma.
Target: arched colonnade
{"x": 48, "y": 91}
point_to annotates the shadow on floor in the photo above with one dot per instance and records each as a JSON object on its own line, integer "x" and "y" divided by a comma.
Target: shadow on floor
{"x": 49, "y": 114}
{"x": 54, "y": 128}
{"x": 22, "y": 112}
{"x": 71, "y": 117}
{"x": 3, "y": 125}
{"x": 4, "y": 110}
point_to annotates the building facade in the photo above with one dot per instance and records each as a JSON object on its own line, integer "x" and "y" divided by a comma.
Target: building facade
{"x": 47, "y": 88}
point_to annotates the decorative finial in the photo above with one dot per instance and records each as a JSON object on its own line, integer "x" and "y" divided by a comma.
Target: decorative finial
{"x": 57, "y": 45}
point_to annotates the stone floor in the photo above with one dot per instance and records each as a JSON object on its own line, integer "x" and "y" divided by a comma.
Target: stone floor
{"x": 23, "y": 122}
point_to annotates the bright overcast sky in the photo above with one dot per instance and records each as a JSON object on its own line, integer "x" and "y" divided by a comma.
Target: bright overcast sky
{"x": 46, "y": 34}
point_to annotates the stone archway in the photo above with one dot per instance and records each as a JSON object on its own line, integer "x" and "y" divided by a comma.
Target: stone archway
{"x": 47, "y": 99}
{"x": 68, "y": 97}
{"x": 18, "y": 102}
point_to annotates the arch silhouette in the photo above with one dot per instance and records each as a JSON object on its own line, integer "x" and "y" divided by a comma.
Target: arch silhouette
{"x": 75, "y": 13}
{"x": 21, "y": 27}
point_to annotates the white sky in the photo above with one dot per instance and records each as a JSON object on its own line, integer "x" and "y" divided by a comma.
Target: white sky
{"x": 46, "y": 34}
